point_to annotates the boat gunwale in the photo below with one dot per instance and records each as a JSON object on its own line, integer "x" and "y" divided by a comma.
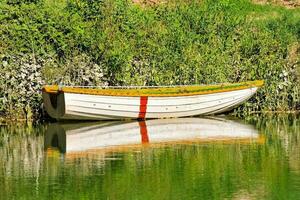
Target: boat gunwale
{"x": 154, "y": 91}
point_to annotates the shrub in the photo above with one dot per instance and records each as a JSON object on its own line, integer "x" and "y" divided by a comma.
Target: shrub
{"x": 118, "y": 42}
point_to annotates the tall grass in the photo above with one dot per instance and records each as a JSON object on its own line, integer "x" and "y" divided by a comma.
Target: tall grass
{"x": 178, "y": 42}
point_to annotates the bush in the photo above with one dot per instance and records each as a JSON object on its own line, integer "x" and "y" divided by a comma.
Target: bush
{"x": 123, "y": 43}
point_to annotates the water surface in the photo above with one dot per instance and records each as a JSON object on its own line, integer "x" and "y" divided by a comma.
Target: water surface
{"x": 192, "y": 158}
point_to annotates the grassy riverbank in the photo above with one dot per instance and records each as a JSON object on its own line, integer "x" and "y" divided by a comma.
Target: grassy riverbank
{"x": 118, "y": 42}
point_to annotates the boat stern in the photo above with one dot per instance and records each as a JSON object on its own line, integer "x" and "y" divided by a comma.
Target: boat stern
{"x": 54, "y": 103}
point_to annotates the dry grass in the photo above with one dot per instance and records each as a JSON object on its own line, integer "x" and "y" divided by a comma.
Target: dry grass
{"x": 294, "y": 53}
{"x": 286, "y": 3}
{"x": 148, "y": 2}
{"x": 291, "y": 4}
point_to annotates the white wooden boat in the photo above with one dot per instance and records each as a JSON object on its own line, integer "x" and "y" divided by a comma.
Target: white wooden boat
{"x": 120, "y": 135}
{"x": 145, "y": 102}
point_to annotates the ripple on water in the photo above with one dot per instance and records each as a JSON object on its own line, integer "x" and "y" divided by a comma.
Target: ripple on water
{"x": 175, "y": 159}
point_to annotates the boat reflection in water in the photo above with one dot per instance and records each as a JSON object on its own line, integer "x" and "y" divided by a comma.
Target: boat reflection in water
{"x": 114, "y": 136}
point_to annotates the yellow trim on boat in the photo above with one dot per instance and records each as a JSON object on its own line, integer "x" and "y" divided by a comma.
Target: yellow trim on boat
{"x": 156, "y": 91}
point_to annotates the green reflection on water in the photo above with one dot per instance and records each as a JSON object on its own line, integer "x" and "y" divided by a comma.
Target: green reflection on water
{"x": 268, "y": 169}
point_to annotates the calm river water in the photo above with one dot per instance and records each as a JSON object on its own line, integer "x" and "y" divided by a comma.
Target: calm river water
{"x": 189, "y": 158}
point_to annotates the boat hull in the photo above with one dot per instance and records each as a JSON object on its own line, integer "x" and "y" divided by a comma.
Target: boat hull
{"x": 100, "y": 107}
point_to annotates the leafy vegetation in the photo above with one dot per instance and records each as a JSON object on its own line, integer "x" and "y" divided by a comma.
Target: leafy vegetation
{"x": 117, "y": 42}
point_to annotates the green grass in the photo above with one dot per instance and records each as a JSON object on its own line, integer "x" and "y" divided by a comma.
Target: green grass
{"x": 178, "y": 42}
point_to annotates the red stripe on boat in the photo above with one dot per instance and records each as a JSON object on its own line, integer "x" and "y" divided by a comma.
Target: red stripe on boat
{"x": 143, "y": 107}
{"x": 144, "y": 132}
